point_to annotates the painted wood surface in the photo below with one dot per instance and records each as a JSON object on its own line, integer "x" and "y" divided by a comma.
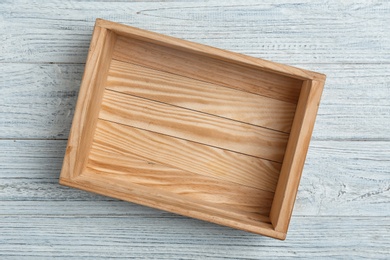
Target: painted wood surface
{"x": 148, "y": 234}
{"x": 321, "y": 32}
{"x": 342, "y": 209}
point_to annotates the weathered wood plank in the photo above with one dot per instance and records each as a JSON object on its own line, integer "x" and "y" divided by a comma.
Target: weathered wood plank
{"x": 200, "y": 96}
{"x": 31, "y": 159}
{"x": 153, "y": 237}
{"x": 193, "y": 126}
{"x": 38, "y": 101}
{"x": 97, "y": 206}
{"x": 340, "y": 178}
{"x": 284, "y": 32}
{"x": 343, "y": 177}
{"x": 41, "y": 189}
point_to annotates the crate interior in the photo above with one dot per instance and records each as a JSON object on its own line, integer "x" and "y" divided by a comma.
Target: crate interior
{"x": 193, "y": 127}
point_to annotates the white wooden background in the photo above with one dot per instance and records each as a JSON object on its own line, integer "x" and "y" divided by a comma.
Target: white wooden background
{"x": 343, "y": 208}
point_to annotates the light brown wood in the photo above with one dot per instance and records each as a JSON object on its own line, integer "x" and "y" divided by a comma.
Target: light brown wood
{"x": 192, "y": 47}
{"x": 191, "y": 129}
{"x": 193, "y": 126}
{"x": 166, "y": 201}
{"x": 208, "y": 69}
{"x": 89, "y": 101}
{"x": 189, "y": 156}
{"x": 127, "y": 167}
{"x": 294, "y": 159}
{"x": 200, "y": 96}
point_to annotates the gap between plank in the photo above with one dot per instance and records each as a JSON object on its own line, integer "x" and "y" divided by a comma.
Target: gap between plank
{"x": 144, "y": 158}
{"x": 189, "y": 140}
{"x": 200, "y": 80}
{"x": 201, "y": 112}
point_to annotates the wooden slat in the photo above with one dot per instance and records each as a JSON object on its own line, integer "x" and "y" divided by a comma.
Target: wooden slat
{"x": 194, "y": 126}
{"x": 296, "y": 151}
{"x": 206, "y": 68}
{"x": 168, "y": 201}
{"x": 144, "y": 233}
{"x": 188, "y": 156}
{"x": 89, "y": 101}
{"x": 201, "y": 96}
{"x": 208, "y": 51}
{"x": 285, "y": 32}
{"x": 133, "y": 169}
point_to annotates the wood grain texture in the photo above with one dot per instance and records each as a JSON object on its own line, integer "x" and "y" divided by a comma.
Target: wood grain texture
{"x": 345, "y": 183}
{"x": 29, "y": 191}
{"x": 163, "y": 53}
{"x": 167, "y": 201}
{"x": 282, "y": 82}
{"x": 88, "y": 103}
{"x": 285, "y": 32}
{"x": 30, "y": 171}
{"x": 354, "y": 101}
{"x": 193, "y": 126}
{"x": 200, "y": 96}
{"x": 188, "y": 156}
{"x": 225, "y": 73}
{"x": 136, "y": 169}
{"x": 163, "y": 43}
{"x": 38, "y": 100}
{"x": 200, "y": 62}
{"x": 294, "y": 159}
{"x": 109, "y": 237}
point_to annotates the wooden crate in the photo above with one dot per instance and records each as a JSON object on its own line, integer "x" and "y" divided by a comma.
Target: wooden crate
{"x": 191, "y": 129}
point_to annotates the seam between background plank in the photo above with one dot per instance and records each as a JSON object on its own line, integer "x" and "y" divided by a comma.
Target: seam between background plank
{"x": 166, "y": 213}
